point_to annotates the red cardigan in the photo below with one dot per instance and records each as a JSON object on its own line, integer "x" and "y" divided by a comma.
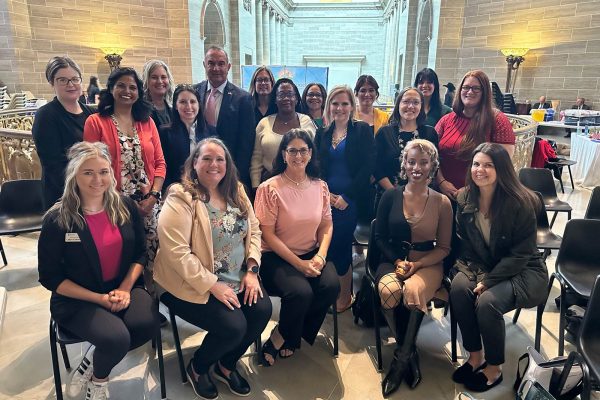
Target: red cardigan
{"x": 102, "y": 129}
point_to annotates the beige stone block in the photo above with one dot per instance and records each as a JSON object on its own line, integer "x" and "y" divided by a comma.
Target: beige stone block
{"x": 143, "y": 31}
{"x": 478, "y": 20}
{"x": 515, "y": 5}
{"x": 542, "y": 24}
{"x": 119, "y": 29}
{"x": 164, "y": 52}
{"x": 559, "y": 11}
{"x": 556, "y": 36}
{"x": 179, "y": 33}
{"x": 549, "y": 83}
{"x": 499, "y": 41}
{"x": 37, "y": 2}
{"x": 144, "y": 51}
{"x": 154, "y": 3}
{"x": 65, "y": 47}
{"x": 534, "y": 72}
{"x": 585, "y": 59}
{"x": 116, "y": 8}
{"x": 154, "y": 22}
{"x": 551, "y": 60}
{"x": 474, "y": 42}
{"x": 526, "y": 15}
{"x": 451, "y": 42}
{"x": 45, "y": 11}
{"x": 574, "y": 71}
{"x": 586, "y": 33}
{"x": 581, "y": 83}
{"x": 41, "y": 22}
{"x": 50, "y": 34}
{"x": 20, "y": 20}
{"x": 79, "y": 15}
{"x": 587, "y": 8}
{"x": 62, "y": 24}
{"x": 490, "y": 8}
{"x": 578, "y": 21}
{"x": 142, "y": 11}
{"x": 162, "y": 33}
{"x": 595, "y": 20}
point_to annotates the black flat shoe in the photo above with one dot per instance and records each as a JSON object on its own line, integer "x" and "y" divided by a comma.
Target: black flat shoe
{"x": 236, "y": 383}
{"x": 466, "y": 372}
{"x": 413, "y": 373}
{"x": 479, "y": 382}
{"x": 203, "y": 386}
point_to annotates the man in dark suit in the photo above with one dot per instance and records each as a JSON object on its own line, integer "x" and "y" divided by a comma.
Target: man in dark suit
{"x": 579, "y": 105}
{"x": 542, "y": 103}
{"x": 227, "y": 110}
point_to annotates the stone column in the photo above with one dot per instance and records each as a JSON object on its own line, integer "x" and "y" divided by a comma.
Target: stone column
{"x": 284, "y": 42}
{"x": 259, "y": 32}
{"x": 386, "y": 59}
{"x": 266, "y": 37}
{"x": 278, "y": 38}
{"x": 396, "y": 26}
{"x": 272, "y": 37}
{"x": 281, "y": 41}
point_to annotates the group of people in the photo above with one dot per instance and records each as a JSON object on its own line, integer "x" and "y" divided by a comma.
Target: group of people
{"x": 258, "y": 194}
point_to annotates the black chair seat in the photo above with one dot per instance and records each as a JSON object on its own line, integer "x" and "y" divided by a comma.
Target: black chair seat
{"x": 580, "y": 277}
{"x": 562, "y": 162}
{"x": 554, "y": 204}
{"x": 548, "y": 240}
{"x": 362, "y": 234}
{"x": 11, "y": 224}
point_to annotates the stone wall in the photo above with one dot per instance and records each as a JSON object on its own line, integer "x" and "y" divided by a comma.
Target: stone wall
{"x": 563, "y": 35}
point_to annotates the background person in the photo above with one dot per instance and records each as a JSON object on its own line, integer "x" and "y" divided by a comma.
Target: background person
{"x": 208, "y": 265}
{"x": 93, "y": 90}
{"x": 366, "y": 91}
{"x": 428, "y": 83}
{"x": 542, "y": 103}
{"x": 313, "y": 102}
{"x": 91, "y": 254}
{"x": 261, "y": 86}
{"x": 58, "y": 125}
{"x": 450, "y": 93}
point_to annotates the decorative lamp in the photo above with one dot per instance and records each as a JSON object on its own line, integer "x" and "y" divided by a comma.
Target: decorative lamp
{"x": 514, "y": 58}
{"x": 113, "y": 56}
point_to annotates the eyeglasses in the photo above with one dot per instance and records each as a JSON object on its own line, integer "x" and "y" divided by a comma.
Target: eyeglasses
{"x": 288, "y": 95}
{"x": 263, "y": 80}
{"x": 314, "y": 95}
{"x": 474, "y": 89}
{"x": 294, "y": 152}
{"x": 65, "y": 81}
{"x": 407, "y": 103}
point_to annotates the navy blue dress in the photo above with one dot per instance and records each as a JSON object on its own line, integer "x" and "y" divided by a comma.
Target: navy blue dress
{"x": 344, "y": 222}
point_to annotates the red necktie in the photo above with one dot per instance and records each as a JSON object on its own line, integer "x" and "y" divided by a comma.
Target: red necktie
{"x": 211, "y": 108}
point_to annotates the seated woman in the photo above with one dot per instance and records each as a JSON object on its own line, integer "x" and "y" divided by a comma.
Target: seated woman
{"x": 294, "y": 211}
{"x": 413, "y": 230}
{"x": 499, "y": 267}
{"x": 91, "y": 254}
{"x": 207, "y": 266}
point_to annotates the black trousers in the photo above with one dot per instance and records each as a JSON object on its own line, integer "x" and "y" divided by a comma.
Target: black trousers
{"x": 482, "y": 317}
{"x": 304, "y": 301}
{"x": 230, "y": 332}
{"x": 114, "y": 334}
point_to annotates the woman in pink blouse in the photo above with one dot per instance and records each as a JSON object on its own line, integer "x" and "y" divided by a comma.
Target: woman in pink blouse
{"x": 473, "y": 121}
{"x": 295, "y": 219}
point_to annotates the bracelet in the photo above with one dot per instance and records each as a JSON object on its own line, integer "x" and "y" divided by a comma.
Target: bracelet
{"x": 321, "y": 257}
{"x": 443, "y": 180}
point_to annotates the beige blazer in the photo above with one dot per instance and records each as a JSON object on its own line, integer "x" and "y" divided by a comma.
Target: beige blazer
{"x": 184, "y": 264}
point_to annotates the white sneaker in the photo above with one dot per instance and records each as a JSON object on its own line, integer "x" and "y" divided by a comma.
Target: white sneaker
{"x": 81, "y": 376}
{"x": 96, "y": 390}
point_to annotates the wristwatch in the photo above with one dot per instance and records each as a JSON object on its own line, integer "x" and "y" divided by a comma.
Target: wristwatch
{"x": 254, "y": 269}
{"x": 154, "y": 193}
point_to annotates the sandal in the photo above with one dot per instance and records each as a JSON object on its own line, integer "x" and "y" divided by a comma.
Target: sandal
{"x": 286, "y": 347}
{"x": 268, "y": 348}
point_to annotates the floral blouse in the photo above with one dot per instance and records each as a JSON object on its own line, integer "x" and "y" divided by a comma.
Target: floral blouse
{"x": 229, "y": 229}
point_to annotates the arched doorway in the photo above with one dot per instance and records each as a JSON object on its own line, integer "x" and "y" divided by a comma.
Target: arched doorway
{"x": 424, "y": 35}
{"x": 213, "y": 31}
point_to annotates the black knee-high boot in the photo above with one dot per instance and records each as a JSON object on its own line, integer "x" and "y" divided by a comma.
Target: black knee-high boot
{"x": 404, "y": 356}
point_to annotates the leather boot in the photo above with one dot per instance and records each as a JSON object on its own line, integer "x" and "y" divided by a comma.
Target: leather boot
{"x": 390, "y": 318}
{"x": 403, "y": 355}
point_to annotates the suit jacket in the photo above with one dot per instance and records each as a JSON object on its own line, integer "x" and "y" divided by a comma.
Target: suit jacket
{"x": 235, "y": 125}
{"x": 79, "y": 262}
{"x": 360, "y": 156}
{"x": 175, "y": 142}
{"x": 537, "y": 105}
{"x": 583, "y": 107}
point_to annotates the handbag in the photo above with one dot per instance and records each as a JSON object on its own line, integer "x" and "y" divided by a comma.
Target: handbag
{"x": 535, "y": 392}
{"x": 548, "y": 374}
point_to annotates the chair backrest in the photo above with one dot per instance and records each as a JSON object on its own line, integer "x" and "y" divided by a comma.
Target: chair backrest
{"x": 593, "y": 208}
{"x": 588, "y": 336}
{"x": 578, "y": 245}
{"x": 373, "y": 253}
{"x": 538, "y": 180}
{"x": 21, "y": 197}
{"x": 542, "y": 216}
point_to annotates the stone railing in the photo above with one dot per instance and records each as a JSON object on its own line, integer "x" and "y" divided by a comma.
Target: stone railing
{"x": 18, "y": 157}
{"x": 525, "y": 130}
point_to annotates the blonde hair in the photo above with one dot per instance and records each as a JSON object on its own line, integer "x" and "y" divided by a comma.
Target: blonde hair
{"x": 327, "y": 118}
{"x": 149, "y": 67}
{"x": 426, "y": 147}
{"x": 68, "y": 209}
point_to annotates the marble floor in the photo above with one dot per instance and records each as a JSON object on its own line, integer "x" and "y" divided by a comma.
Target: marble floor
{"x": 312, "y": 373}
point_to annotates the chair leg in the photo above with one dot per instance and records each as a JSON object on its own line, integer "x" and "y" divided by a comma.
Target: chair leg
{"x": 177, "y": 345}
{"x": 516, "y": 316}
{"x": 562, "y": 319}
{"x": 161, "y": 365}
{"x": 453, "y": 334}
{"x": 540, "y": 314}
{"x": 335, "y": 330}
{"x": 571, "y": 177}
{"x": 3, "y": 254}
{"x": 55, "y": 367}
{"x": 257, "y": 345}
{"x": 65, "y": 355}
{"x": 553, "y": 219}
{"x": 562, "y": 188}
{"x": 377, "y": 333}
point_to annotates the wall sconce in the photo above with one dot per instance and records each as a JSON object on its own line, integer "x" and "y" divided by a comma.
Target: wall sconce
{"x": 514, "y": 58}
{"x": 113, "y": 56}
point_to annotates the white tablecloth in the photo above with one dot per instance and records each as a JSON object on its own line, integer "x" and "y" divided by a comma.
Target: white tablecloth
{"x": 587, "y": 154}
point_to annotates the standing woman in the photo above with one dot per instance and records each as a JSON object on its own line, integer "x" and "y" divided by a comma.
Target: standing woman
{"x": 295, "y": 220}
{"x": 158, "y": 90}
{"x": 261, "y": 86}
{"x": 406, "y": 123}
{"x": 347, "y": 157}
{"x": 93, "y": 90}
{"x": 367, "y": 92}
{"x": 472, "y": 122}
{"x": 499, "y": 267}
{"x": 123, "y": 123}
{"x": 412, "y": 233}
{"x": 428, "y": 83}
{"x": 185, "y": 132}
{"x": 313, "y": 102}
{"x": 58, "y": 125}
{"x": 91, "y": 255}
{"x": 271, "y": 129}
{"x": 208, "y": 263}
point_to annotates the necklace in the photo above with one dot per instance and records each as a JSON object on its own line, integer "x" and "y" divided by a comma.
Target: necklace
{"x": 296, "y": 182}
{"x": 90, "y": 211}
{"x": 285, "y": 122}
{"x": 336, "y": 141}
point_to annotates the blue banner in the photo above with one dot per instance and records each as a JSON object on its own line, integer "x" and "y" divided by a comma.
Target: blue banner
{"x": 301, "y": 76}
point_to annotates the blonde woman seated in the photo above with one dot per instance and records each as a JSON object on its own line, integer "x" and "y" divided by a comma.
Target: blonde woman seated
{"x": 413, "y": 230}
{"x": 207, "y": 266}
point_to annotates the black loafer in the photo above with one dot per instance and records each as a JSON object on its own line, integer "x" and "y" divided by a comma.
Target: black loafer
{"x": 236, "y": 383}
{"x": 203, "y": 386}
{"x": 466, "y": 372}
{"x": 479, "y": 383}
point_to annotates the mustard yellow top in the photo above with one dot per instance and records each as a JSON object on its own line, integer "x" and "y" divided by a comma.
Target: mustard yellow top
{"x": 380, "y": 118}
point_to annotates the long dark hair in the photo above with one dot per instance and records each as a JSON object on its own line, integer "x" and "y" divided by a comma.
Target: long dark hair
{"x": 429, "y": 75}
{"x": 507, "y": 183}
{"x": 483, "y": 121}
{"x": 366, "y": 80}
{"x": 93, "y": 81}
{"x": 229, "y": 186}
{"x": 273, "y": 103}
{"x": 304, "y": 105}
{"x": 395, "y": 117}
{"x": 176, "y": 118}
{"x": 312, "y": 168}
{"x": 141, "y": 108}
{"x": 252, "y": 87}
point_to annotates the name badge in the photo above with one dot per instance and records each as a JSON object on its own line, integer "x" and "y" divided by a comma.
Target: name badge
{"x": 72, "y": 238}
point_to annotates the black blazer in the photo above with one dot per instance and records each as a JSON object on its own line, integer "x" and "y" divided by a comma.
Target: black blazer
{"x": 235, "y": 125}
{"x": 537, "y": 105}
{"x": 54, "y": 131}
{"x": 79, "y": 261}
{"x": 360, "y": 155}
{"x": 175, "y": 142}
